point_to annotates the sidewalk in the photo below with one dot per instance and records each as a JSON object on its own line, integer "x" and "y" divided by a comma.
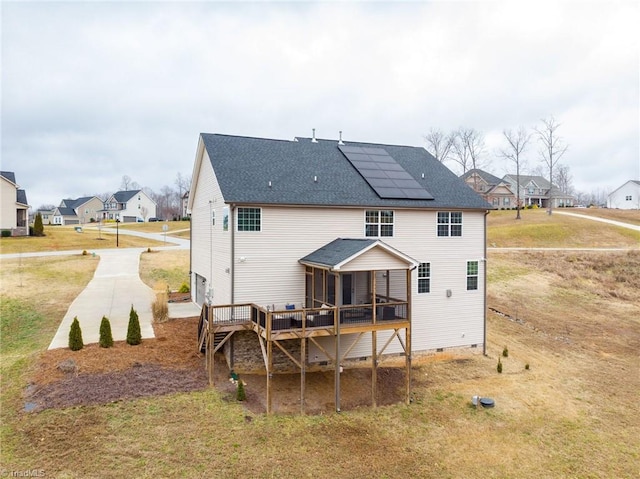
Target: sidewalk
{"x": 114, "y": 288}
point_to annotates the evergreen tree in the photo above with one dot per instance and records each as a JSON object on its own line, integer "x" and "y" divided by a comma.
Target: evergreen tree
{"x": 75, "y": 336}
{"x": 241, "y": 395}
{"x": 133, "y": 331}
{"x": 106, "y": 338}
{"x": 38, "y": 227}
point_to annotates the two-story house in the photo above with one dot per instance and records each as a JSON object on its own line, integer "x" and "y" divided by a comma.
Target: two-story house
{"x": 77, "y": 211}
{"x": 129, "y": 207}
{"x": 625, "y": 197}
{"x": 498, "y": 193}
{"x": 323, "y": 251}
{"x": 14, "y": 207}
{"x": 536, "y": 190}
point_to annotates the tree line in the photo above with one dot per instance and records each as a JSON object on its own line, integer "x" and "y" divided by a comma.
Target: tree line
{"x": 466, "y": 148}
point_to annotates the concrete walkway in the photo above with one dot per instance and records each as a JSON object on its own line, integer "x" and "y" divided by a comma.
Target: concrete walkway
{"x": 115, "y": 287}
{"x": 602, "y": 220}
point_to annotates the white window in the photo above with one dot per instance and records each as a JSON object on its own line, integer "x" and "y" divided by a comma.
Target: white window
{"x": 378, "y": 223}
{"x": 424, "y": 277}
{"x": 249, "y": 219}
{"x": 628, "y": 198}
{"x": 472, "y": 275}
{"x": 449, "y": 223}
{"x": 213, "y": 218}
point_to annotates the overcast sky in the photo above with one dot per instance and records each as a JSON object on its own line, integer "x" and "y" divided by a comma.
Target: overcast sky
{"x": 94, "y": 91}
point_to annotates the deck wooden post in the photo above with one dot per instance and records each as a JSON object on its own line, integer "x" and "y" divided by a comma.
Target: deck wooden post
{"x": 269, "y": 373}
{"x": 374, "y": 368}
{"x": 408, "y": 341}
{"x": 336, "y": 322}
{"x": 303, "y": 361}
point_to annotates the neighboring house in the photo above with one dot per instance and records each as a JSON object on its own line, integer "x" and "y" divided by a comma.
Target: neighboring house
{"x": 46, "y": 215}
{"x": 14, "y": 207}
{"x": 129, "y": 207}
{"x": 332, "y": 249}
{"x": 626, "y": 197}
{"x": 77, "y": 212}
{"x": 498, "y": 193}
{"x": 536, "y": 190}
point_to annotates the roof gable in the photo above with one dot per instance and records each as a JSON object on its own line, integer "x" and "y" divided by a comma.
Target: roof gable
{"x": 306, "y": 172}
{"x": 488, "y": 178}
{"x": 338, "y": 254}
{"x": 9, "y": 175}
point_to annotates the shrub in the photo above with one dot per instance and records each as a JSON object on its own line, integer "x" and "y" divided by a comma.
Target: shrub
{"x": 133, "y": 330}
{"x": 6, "y": 233}
{"x": 184, "y": 288}
{"x": 38, "y": 227}
{"x": 526, "y": 366}
{"x": 505, "y": 352}
{"x": 241, "y": 395}
{"x": 499, "y": 368}
{"x": 106, "y": 338}
{"x": 149, "y": 250}
{"x": 75, "y": 336}
{"x": 84, "y": 252}
{"x": 160, "y": 308}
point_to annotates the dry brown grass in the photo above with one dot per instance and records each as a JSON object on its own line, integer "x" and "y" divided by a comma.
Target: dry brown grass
{"x": 65, "y": 238}
{"x": 162, "y": 270}
{"x": 574, "y": 317}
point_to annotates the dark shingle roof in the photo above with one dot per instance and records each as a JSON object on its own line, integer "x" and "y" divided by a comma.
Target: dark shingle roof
{"x": 337, "y": 251}
{"x": 124, "y": 196}
{"x": 9, "y": 175}
{"x": 244, "y": 167}
{"x": 66, "y": 211}
{"x": 77, "y": 202}
{"x": 488, "y": 177}
{"x": 21, "y": 197}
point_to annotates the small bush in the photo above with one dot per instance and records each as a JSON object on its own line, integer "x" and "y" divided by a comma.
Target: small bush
{"x": 505, "y": 352}
{"x": 75, "y": 336}
{"x": 184, "y": 288}
{"x": 106, "y": 338}
{"x": 6, "y": 233}
{"x": 526, "y": 366}
{"x": 149, "y": 250}
{"x": 241, "y": 395}
{"x": 499, "y": 367}
{"x": 38, "y": 227}
{"x": 160, "y": 308}
{"x": 84, "y": 252}
{"x": 133, "y": 330}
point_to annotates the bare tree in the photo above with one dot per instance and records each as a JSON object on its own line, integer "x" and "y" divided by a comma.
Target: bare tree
{"x": 564, "y": 180}
{"x": 183, "y": 183}
{"x": 517, "y": 142}
{"x": 551, "y": 150}
{"x": 459, "y": 151}
{"x": 468, "y": 151}
{"x": 440, "y": 144}
{"x": 126, "y": 183}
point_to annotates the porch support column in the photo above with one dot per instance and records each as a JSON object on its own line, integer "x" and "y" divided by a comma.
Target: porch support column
{"x": 374, "y": 368}
{"x": 336, "y": 322}
{"x": 303, "y": 366}
{"x": 408, "y": 340}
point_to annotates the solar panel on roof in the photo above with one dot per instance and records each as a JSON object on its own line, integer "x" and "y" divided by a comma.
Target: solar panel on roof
{"x": 387, "y": 178}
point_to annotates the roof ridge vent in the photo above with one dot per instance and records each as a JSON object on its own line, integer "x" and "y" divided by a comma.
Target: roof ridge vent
{"x": 295, "y": 139}
{"x": 313, "y": 138}
{"x": 340, "y": 142}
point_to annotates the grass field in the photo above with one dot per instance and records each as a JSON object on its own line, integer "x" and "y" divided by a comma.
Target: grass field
{"x": 573, "y": 317}
{"x": 65, "y": 238}
{"x": 538, "y": 229}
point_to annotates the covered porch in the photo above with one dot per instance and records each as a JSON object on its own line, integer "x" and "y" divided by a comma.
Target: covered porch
{"x": 357, "y": 304}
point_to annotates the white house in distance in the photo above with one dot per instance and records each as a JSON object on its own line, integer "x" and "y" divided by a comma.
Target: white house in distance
{"x": 331, "y": 250}
{"x": 77, "y": 212}
{"x": 13, "y": 206}
{"x": 129, "y": 207}
{"x": 626, "y": 197}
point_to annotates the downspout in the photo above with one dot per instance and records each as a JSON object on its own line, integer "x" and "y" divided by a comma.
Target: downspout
{"x": 232, "y": 208}
{"x": 484, "y": 327}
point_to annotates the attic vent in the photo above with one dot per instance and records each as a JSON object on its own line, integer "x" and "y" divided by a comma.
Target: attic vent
{"x": 313, "y": 139}
{"x": 340, "y": 142}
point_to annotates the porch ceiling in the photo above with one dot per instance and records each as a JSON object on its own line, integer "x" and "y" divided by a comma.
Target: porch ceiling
{"x": 344, "y": 254}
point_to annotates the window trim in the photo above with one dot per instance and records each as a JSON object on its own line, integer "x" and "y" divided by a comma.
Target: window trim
{"x": 425, "y": 278}
{"x": 379, "y": 223}
{"x": 249, "y": 230}
{"x": 473, "y": 275}
{"x": 449, "y": 224}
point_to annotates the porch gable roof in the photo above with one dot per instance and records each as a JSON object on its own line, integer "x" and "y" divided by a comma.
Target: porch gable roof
{"x": 341, "y": 251}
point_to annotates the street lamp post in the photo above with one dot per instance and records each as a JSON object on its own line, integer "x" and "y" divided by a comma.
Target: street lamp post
{"x": 117, "y": 233}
